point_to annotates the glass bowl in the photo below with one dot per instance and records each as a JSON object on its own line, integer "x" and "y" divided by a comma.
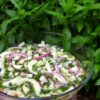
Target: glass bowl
{"x": 84, "y": 54}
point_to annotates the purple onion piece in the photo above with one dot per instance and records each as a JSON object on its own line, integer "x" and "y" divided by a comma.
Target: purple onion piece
{"x": 12, "y": 54}
{"x": 48, "y": 74}
{"x": 42, "y": 56}
{"x": 60, "y": 76}
{"x": 60, "y": 85}
{"x": 74, "y": 71}
{"x": 41, "y": 83}
{"x": 20, "y": 54}
{"x": 56, "y": 67}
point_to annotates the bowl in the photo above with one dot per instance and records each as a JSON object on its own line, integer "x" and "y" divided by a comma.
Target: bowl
{"x": 84, "y": 55}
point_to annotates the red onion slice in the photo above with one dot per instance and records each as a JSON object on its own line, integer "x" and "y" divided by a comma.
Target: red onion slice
{"x": 42, "y": 56}
{"x": 12, "y": 54}
{"x": 74, "y": 70}
{"x": 56, "y": 67}
{"x": 19, "y": 54}
{"x": 41, "y": 83}
{"x": 59, "y": 77}
{"x": 60, "y": 85}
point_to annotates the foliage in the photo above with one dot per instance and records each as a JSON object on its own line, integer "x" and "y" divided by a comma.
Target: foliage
{"x": 78, "y": 21}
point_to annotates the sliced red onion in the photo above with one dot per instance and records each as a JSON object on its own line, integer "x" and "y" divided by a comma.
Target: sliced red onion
{"x": 42, "y": 56}
{"x": 11, "y": 55}
{"x": 22, "y": 74}
{"x": 56, "y": 67}
{"x": 74, "y": 70}
{"x": 41, "y": 83}
{"x": 59, "y": 77}
{"x": 19, "y": 54}
{"x": 48, "y": 74}
{"x": 60, "y": 85}
{"x": 41, "y": 50}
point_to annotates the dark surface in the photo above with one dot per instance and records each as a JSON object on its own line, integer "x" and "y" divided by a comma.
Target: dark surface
{"x": 88, "y": 96}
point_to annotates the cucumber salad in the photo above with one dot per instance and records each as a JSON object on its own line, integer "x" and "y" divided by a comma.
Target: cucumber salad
{"x": 38, "y": 70}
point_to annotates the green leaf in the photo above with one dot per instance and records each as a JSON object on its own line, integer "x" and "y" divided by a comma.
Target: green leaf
{"x": 97, "y": 82}
{"x": 4, "y": 27}
{"x": 80, "y": 25}
{"x": 2, "y": 2}
{"x": 69, "y": 4}
{"x": 21, "y": 37}
{"x": 97, "y": 30}
{"x": 16, "y": 3}
{"x": 42, "y": 6}
{"x": 37, "y": 10}
{"x": 88, "y": 27}
{"x": 66, "y": 38}
{"x": 95, "y": 6}
{"x": 1, "y": 30}
{"x": 79, "y": 40}
{"x": 66, "y": 5}
{"x": 59, "y": 16}
{"x": 86, "y": 1}
{"x": 11, "y": 13}
{"x": 12, "y": 31}
{"x": 78, "y": 8}
{"x": 2, "y": 45}
{"x": 22, "y": 13}
{"x": 4, "y": 24}
{"x": 63, "y": 4}
{"x": 40, "y": 9}
{"x": 51, "y": 39}
{"x": 96, "y": 68}
{"x": 10, "y": 35}
{"x": 89, "y": 52}
{"x": 11, "y": 39}
{"x": 97, "y": 55}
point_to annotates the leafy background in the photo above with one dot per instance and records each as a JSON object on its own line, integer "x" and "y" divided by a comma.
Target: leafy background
{"x": 77, "y": 20}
